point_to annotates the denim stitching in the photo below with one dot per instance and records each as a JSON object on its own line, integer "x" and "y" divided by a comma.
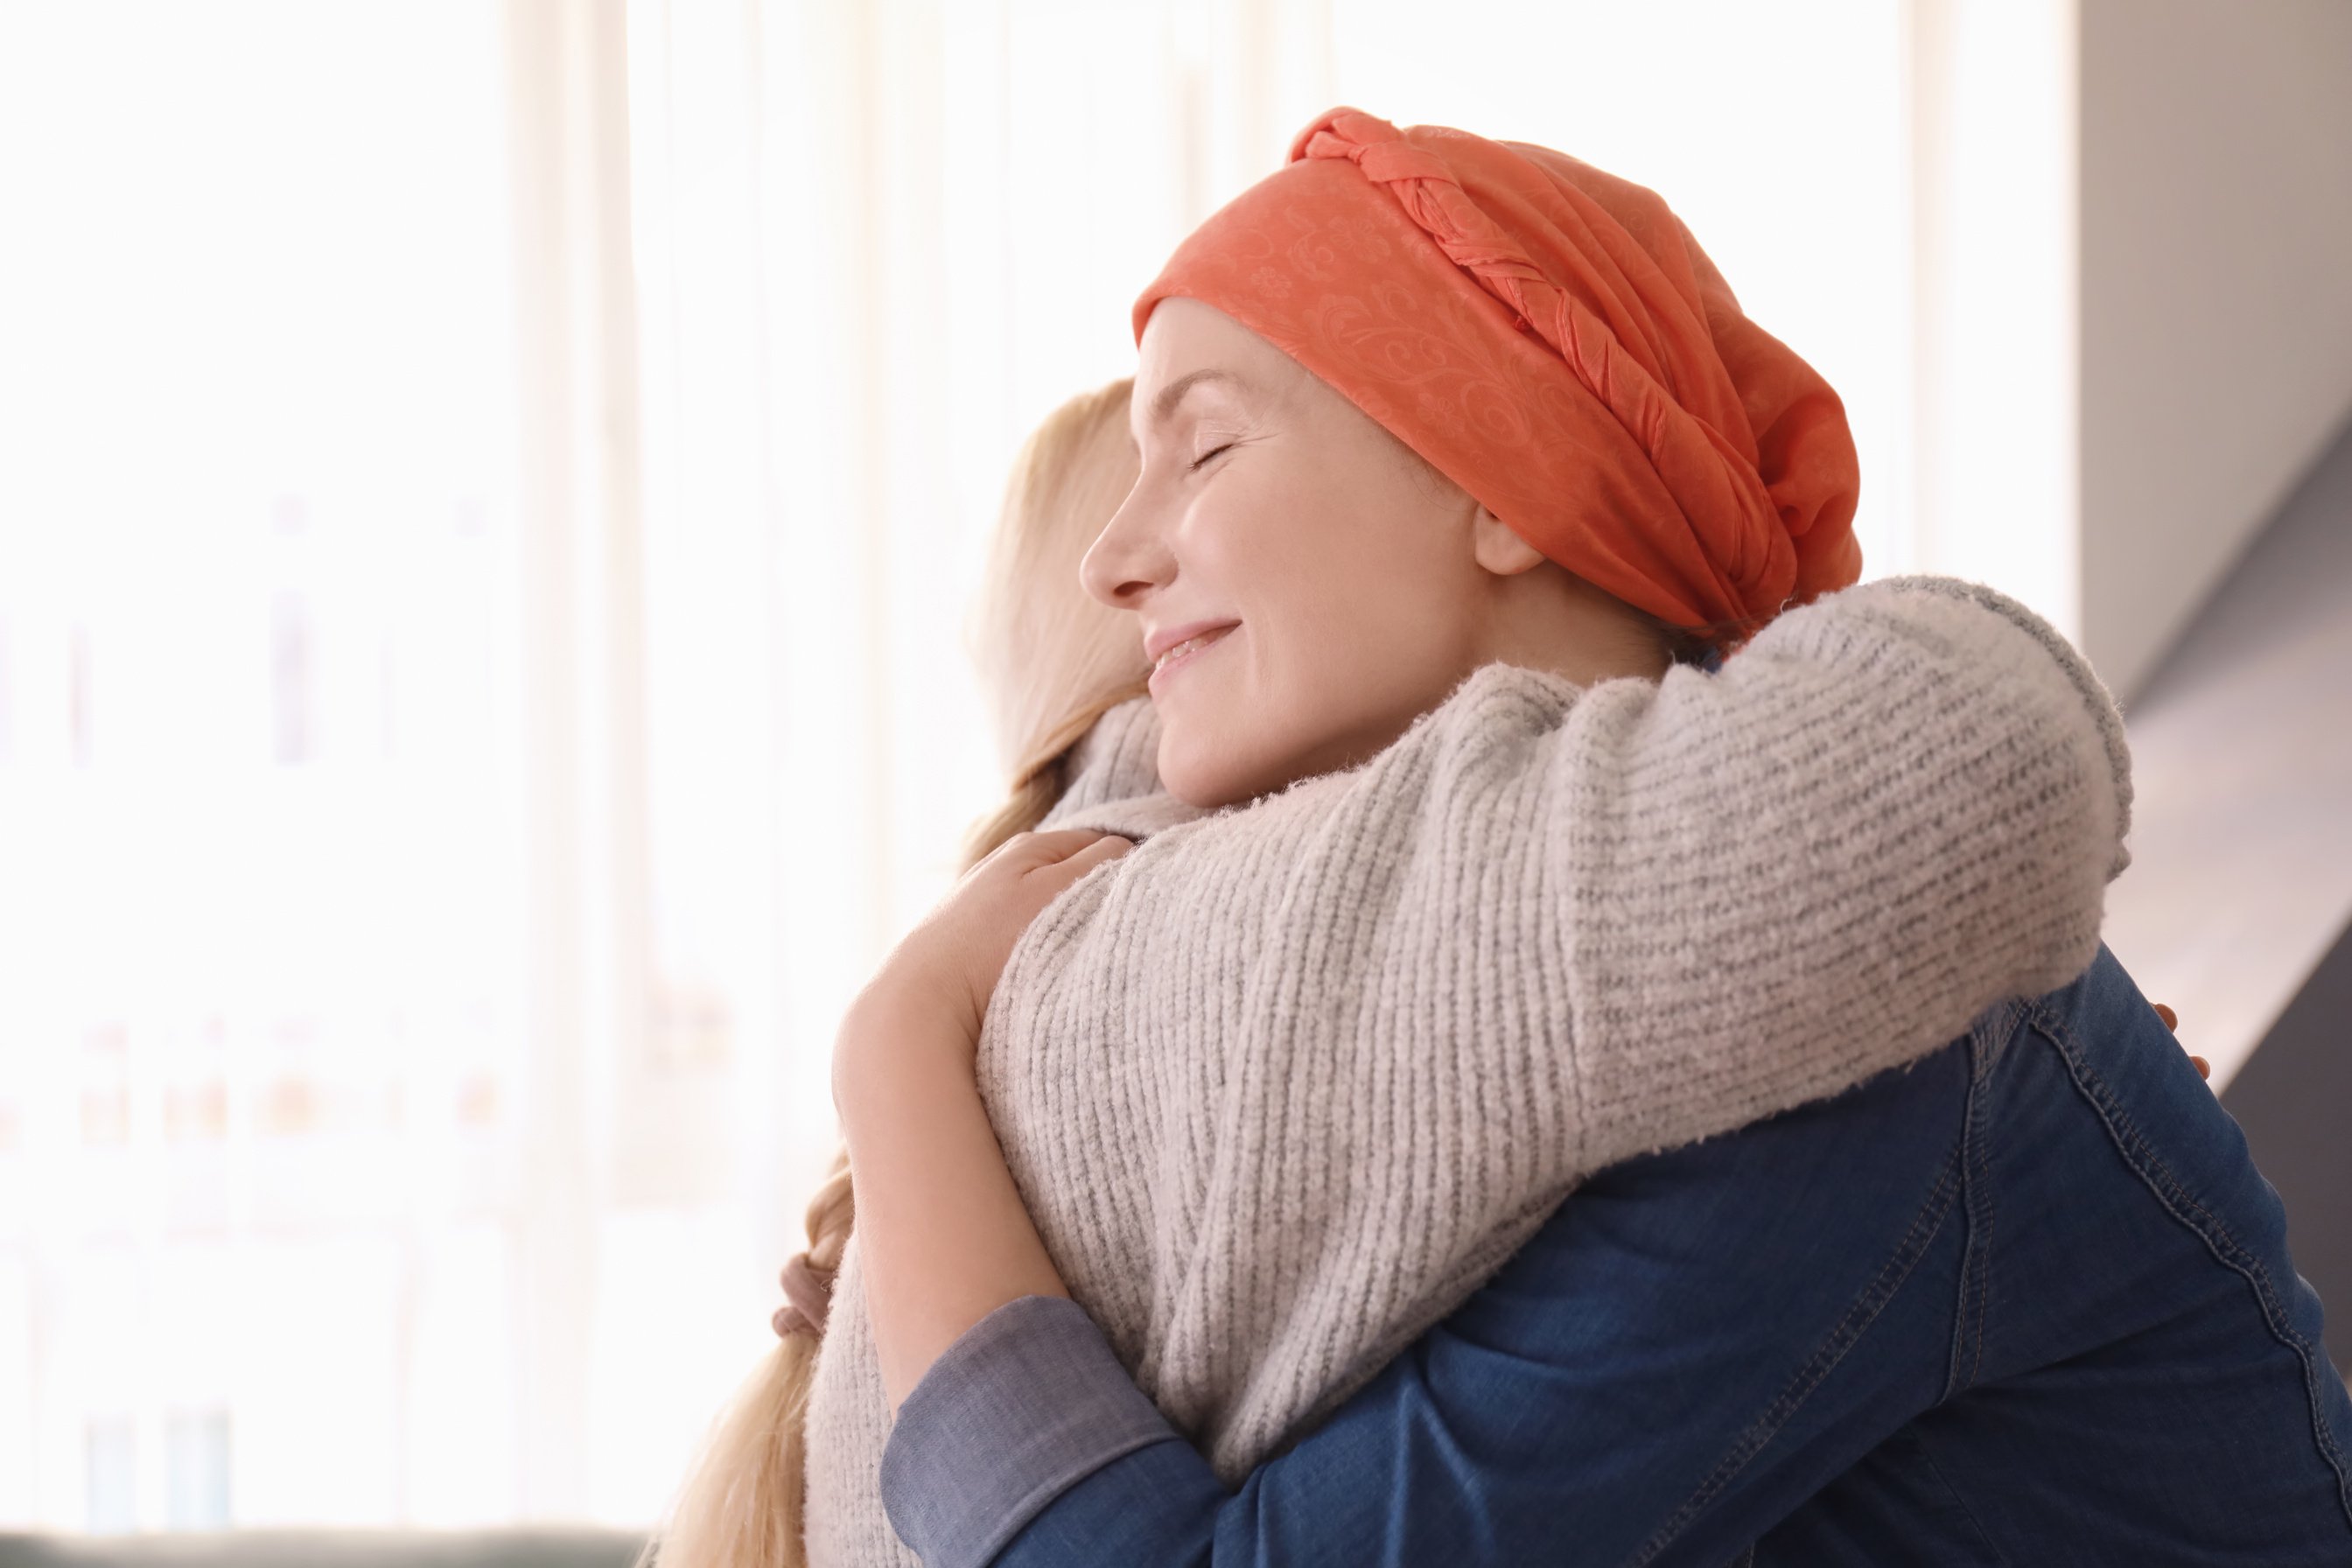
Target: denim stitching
{"x": 2225, "y": 1246}
{"x": 1981, "y": 1147}
{"x": 1984, "y": 1538}
{"x": 1964, "y": 1309}
{"x": 1986, "y": 1036}
{"x": 1980, "y": 1265}
{"x": 1994, "y": 1031}
{"x": 1859, "y": 1316}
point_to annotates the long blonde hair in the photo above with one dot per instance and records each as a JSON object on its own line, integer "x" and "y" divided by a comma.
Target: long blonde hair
{"x": 1052, "y": 661}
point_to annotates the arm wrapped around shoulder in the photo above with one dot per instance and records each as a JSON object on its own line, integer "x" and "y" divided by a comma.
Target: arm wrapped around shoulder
{"x": 1894, "y": 807}
{"x": 1286, "y": 1084}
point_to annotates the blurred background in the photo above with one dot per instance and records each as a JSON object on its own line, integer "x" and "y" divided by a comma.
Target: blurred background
{"x": 488, "y": 491}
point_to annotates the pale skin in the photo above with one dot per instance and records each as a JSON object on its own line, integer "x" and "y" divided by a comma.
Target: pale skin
{"x": 1346, "y": 589}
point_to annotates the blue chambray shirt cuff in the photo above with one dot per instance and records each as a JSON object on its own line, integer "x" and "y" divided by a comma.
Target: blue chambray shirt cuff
{"x": 1026, "y": 1405}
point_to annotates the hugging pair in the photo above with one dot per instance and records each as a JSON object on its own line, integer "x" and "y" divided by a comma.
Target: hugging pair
{"x": 1427, "y": 1090}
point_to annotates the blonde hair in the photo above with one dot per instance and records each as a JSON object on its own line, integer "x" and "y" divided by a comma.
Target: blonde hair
{"x": 1052, "y": 661}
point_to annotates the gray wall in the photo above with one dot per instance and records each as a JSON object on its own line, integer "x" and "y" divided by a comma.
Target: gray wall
{"x": 2216, "y": 304}
{"x": 2293, "y": 1098}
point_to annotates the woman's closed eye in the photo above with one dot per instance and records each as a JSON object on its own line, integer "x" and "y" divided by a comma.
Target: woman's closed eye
{"x": 1197, "y": 464}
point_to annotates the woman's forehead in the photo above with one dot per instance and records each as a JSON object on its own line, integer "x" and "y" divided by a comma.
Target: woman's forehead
{"x": 1185, "y": 335}
{"x": 1190, "y": 350}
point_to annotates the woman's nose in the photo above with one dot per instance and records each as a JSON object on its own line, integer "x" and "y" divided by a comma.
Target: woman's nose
{"x": 1126, "y": 559}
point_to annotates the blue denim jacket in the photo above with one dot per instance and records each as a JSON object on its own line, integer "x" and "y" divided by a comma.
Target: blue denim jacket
{"x": 2027, "y": 1302}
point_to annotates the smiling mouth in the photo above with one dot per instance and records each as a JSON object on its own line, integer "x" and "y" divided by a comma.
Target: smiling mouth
{"x": 1185, "y": 651}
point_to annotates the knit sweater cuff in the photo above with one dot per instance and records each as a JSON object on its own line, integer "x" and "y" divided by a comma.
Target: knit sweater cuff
{"x": 1026, "y": 1405}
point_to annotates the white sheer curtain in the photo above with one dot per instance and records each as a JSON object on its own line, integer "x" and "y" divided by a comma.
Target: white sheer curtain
{"x": 489, "y": 499}
{"x": 262, "y": 918}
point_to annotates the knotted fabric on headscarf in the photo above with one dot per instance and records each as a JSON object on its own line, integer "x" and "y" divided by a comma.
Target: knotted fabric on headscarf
{"x": 1553, "y": 340}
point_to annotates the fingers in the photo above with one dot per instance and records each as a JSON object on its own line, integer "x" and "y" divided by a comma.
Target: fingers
{"x": 2172, "y": 1021}
{"x": 1076, "y": 849}
{"x": 1064, "y": 842}
{"x": 1107, "y": 846}
{"x": 1027, "y": 851}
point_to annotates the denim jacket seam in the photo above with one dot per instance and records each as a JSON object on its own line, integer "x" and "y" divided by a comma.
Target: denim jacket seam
{"x": 1861, "y": 1313}
{"x": 1974, "y": 1304}
{"x": 1984, "y": 1536}
{"x": 1992, "y": 1031}
{"x": 1990, "y": 1037}
{"x": 2208, "y": 1226}
{"x": 1983, "y": 1178}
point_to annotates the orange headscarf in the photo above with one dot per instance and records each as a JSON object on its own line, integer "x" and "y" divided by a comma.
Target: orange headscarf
{"x": 1554, "y": 341}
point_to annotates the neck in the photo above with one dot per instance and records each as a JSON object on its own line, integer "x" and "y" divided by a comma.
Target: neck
{"x": 1548, "y": 618}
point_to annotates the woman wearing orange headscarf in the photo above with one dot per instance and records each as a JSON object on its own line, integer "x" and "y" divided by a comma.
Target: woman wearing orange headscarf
{"x": 1551, "y": 339}
{"x": 1474, "y": 879}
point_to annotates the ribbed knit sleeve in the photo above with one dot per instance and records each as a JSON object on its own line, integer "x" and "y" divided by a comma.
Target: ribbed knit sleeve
{"x": 1889, "y": 811}
{"x": 1292, "y": 1079}
{"x": 1281, "y": 1085}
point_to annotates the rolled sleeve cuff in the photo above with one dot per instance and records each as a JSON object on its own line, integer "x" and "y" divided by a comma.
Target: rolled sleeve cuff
{"x": 1026, "y": 1405}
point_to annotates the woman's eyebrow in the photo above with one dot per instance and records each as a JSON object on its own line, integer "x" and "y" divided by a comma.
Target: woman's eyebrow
{"x": 1164, "y": 406}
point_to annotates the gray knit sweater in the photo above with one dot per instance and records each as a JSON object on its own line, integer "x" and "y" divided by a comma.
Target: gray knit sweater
{"x": 1281, "y": 1085}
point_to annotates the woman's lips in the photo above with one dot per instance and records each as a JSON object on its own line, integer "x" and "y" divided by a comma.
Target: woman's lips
{"x": 1184, "y": 653}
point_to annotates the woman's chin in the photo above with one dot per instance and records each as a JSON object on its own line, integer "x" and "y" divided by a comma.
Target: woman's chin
{"x": 1201, "y": 776}
{"x": 1202, "y": 793}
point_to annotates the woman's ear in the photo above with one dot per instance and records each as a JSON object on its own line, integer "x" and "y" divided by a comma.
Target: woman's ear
{"x": 1498, "y": 549}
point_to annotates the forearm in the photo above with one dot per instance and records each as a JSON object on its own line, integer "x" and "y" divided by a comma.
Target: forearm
{"x": 1894, "y": 807}
{"x": 1660, "y": 1374}
{"x": 942, "y": 1230}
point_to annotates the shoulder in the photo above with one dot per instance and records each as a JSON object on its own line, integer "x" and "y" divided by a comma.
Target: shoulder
{"x": 1934, "y": 618}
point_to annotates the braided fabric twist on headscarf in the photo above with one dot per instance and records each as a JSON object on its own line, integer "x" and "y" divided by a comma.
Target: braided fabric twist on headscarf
{"x": 1553, "y": 340}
